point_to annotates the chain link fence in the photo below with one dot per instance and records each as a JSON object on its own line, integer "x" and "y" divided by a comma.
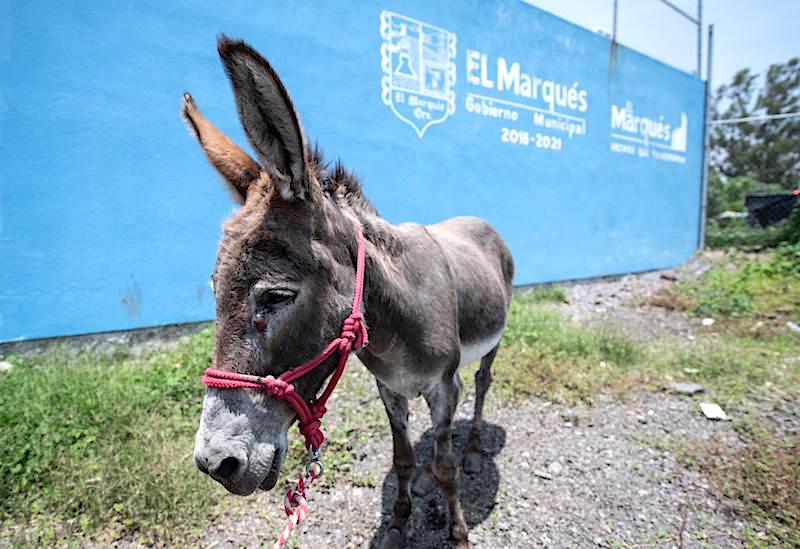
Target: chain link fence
{"x": 765, "y": 209}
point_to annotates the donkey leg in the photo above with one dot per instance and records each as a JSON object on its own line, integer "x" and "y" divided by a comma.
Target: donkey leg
{"x": 442, "y": 401}
{"x": 404, "y": 462}
{"x": 483, "y": 378}
{"x": 426, "y": 480}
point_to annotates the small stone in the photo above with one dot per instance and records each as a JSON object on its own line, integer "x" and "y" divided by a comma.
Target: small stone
{"x": 5, "y": 366}
{"x": 542, "y": 474}
{"x": 793, "y": 326}
{"x": 555, "y": 468}
{"x": 502, "y": 525}
{"x": 713, "y": 411}
{"x": 757, "y": 326}
{"x": 642, "y": 420}
{"x": 685, "y": 388}
{"x": 708, "y": 321}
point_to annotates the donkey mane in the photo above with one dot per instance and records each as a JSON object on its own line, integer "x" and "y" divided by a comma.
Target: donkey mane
{"x": 345, "y": 191}
{"x": 338, "y": 183}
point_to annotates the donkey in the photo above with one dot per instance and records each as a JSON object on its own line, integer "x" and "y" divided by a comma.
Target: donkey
{"x": 435, "y": 298}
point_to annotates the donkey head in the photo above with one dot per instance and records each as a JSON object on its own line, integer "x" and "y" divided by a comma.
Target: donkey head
{"x": 283, "y": 280}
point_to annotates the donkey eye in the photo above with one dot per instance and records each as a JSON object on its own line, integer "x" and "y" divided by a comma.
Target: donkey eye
{"x": 274, "y": 298}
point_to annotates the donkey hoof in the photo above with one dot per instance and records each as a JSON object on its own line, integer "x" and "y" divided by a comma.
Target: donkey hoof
{"x": 424, "y": 484}
{"x": 472, "y": 462}
{"x": 393, "y": 539}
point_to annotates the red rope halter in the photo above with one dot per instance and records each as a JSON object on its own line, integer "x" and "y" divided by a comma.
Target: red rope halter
{"x": 352, "y": 337}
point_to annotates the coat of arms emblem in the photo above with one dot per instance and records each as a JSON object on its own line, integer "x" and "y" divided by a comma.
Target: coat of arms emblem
{"x": 419, "y": 72}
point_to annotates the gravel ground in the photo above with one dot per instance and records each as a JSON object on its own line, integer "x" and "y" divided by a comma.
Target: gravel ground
{"x": 552, "y": 476}
{"x": 621, "y": 303}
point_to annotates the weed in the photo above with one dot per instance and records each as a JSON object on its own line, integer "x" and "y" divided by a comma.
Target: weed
{"x": 546, "y": 355}
{"x": 761, "y": 479}
{"x": 734, "y": 367}
{"x": 94, "y": 442}
{"x": 547, "y": 293}
{"x": 741, "y": 288}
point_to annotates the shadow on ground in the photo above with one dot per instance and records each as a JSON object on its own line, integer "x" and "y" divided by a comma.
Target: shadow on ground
{"x": 427, "y": 526}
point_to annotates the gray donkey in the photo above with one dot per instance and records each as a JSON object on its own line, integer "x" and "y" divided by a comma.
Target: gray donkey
{"x": 436, "y": 298}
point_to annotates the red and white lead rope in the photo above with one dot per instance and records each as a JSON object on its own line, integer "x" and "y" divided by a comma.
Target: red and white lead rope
{"x": 295, "y": 503}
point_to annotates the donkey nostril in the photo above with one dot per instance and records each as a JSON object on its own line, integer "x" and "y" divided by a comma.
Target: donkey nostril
{"x": 227, "y": 468}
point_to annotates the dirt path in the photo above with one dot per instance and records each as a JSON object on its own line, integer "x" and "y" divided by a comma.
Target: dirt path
{"x": 552, "y": 475}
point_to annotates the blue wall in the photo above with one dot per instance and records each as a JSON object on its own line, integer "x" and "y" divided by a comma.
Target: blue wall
{"x": 110, "y": 215}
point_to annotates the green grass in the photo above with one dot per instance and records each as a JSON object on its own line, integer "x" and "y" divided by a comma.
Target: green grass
{"x": 731, "y": 367}
{"x": 548, "y": 293}
{"x": 103, "y": 441}
{"x": 742, "y": 287}
{"x": 543, "y": 354}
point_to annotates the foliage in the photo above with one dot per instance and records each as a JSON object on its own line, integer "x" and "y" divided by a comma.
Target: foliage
{"x": 547, "y": 293}
{"x": 746, "y": 287}
{"x": 760, "y": 478}
{"x": 729, "y": 194}
{"x": 738, "y": 234}
{"x": 765, "y": 150}
{"x": 546, "y": 355}
{"x": 103, "y": 441}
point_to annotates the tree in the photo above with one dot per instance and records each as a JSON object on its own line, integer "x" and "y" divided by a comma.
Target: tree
{"x": 768, "y": 151}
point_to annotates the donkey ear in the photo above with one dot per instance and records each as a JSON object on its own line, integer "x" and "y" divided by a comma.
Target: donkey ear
{"x": 234, "y": 165}
{"x": 268, "y": 117}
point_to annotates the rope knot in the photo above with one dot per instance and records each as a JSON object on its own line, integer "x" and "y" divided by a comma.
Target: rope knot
{"x": 354, "y": 333}
{"x": 312, "y": 433}
{"x": 277, "y": 387}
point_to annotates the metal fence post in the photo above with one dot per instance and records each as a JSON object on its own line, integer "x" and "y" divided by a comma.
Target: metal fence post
{"x": 706, "y": 140}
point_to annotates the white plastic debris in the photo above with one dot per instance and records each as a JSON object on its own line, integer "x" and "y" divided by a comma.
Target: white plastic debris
{"x": 708, "y": 322}
{"x": 793, "y": 327}
{"x": 713, "y": 411}
{"x": 685, "y": 388}
{"x": 5, "y": 366}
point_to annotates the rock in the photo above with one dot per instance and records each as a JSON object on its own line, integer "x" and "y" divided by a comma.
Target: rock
{"x": 670, "y": 277}
{"x": 686, "y": 388}
{"x": 757, "y": 326}
{"x": 543, "y": 474}
{"x": 502, "y": 525}
{"x": 793, "y": 326}
{"x": 555, "y": 468}
{"x": 5, "y": 366}
{"x": 713, "y": 411}
{"x": 708, "y": 322}
{"x": 641, "y": 419}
